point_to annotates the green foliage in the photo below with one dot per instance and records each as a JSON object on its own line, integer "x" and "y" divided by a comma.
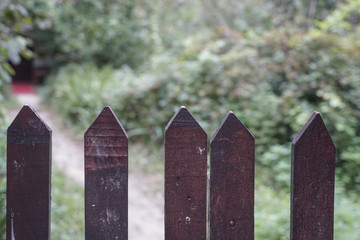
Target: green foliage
{"x": 309, "y": 10}
{"x": 104, "y": 32}
{"x": 67, "y": 208}
{"x": 13, "y": 20}
{"x": 346, "y": 212}
{"x": 272, "y": 215}
{"x": 82, "y": 106}
{"x": 3, "y": 126}
{"x": 344, "y": 20}
{"x": 273, "y": 81}
{"x": 273, "y": 73}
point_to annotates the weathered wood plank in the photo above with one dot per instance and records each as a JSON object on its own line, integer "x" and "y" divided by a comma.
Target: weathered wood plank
{"x": 312, "y": 182}
{"x": 28, "y": 177}
{"x": 232, "y": 153}
{"x": 185, "y": 178}
{"x": 106, "y": 179}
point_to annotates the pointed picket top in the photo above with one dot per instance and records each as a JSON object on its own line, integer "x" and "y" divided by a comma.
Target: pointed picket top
{"x": 232, "y": 158}
{"x": 313, "y": 130}
{"x": 185, "y": 178}
{"x": 183, "y": 118}
{"x": 28, "y": 177}
{"x": 312, "y": 182}
{"x": 230, "y": 125}
{"x": 105, "y": 121}
{"x": 106, "y": 178}
{"x": 27, "y": 121}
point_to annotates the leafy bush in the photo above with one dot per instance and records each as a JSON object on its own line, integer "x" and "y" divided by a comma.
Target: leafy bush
{"x": 13, "y": 19}
{"x": 104, "y": 32}
{"x": 273, "y": 81}
{"x": 273, "y": 78}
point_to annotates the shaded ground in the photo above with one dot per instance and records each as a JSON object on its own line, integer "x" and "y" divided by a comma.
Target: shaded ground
{"x": 146, "y": 217}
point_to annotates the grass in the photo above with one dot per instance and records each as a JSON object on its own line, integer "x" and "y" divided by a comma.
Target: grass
{"x": 67, "y": 208}
{"x": 2, "y": 210}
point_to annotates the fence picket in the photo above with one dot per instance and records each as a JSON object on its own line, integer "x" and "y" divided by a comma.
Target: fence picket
{"x": 28, "y": 177}
{"x": 312, "y": 182}
{"x": 185, "y": 178}
{"x": 106, "y": 178}
{"x": 232, "y": 151}
{"x": 231, "y": 184}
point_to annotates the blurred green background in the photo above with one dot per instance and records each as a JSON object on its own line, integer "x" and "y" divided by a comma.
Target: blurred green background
{"x": 271, "y": 62}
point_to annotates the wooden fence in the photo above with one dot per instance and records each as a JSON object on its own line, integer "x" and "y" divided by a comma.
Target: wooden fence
{"x": 231, "y": 182}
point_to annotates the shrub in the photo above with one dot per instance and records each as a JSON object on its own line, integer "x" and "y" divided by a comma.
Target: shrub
{"x": 13, "y": 45}
{"x": 104, "y": 32}
{"x": 273, "y": 82}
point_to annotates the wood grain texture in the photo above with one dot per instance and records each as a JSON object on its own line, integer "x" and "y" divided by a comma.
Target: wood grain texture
{"x": 312, "y": 182}
{"x": 185, "y": 178}
{"x": 106, "y": 179}
{"x": 232, "y": 181}
{"x": 28, "y": 177}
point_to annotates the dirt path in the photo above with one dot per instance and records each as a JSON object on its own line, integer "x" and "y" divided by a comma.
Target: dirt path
{"x": 145, "y": 207}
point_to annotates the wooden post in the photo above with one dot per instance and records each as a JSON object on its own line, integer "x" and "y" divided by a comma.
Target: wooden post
{"x": 106, "y": 179}
{"x": 232, "y": 181}
{"x": 185, "y": 178}
{"x": 312, "y": 182}
{"x": 28, "y": 177}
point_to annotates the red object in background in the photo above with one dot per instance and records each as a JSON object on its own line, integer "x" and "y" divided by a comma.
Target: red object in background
{"x": 22, "y": 87}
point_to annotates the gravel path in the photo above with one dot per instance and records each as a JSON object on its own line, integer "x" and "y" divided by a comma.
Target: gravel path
{"x": 146, "y": 215}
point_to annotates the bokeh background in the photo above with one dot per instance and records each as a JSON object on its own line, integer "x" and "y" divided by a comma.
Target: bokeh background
{"x": 272, "y": 62}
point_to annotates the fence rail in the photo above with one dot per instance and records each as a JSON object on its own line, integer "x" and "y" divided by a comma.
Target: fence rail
{"x": 231, "y": 183}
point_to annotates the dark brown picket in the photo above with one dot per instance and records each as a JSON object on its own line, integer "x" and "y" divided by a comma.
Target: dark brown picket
{"x": 312, "y": 182}
{"x": 232, "y": 181}
{"x": 231, "y": 184}
{"x": 28, "y": 177}
{"x": 106, "y": 179}
{"x": 185, "y": 178}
